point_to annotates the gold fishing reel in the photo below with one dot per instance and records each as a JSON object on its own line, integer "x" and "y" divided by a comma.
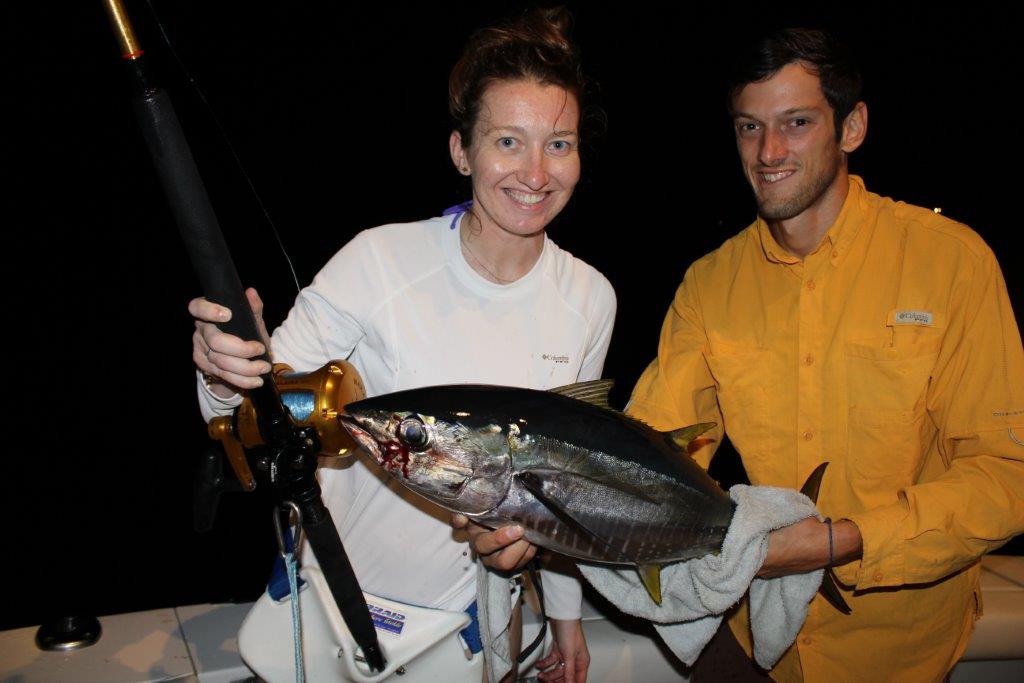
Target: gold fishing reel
{"x": 313, "y": 398}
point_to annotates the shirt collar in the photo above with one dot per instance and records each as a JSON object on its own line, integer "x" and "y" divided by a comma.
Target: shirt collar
{"x": 838, "y": 237}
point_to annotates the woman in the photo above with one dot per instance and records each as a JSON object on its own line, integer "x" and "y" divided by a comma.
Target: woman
{"x": 479, "y": 295}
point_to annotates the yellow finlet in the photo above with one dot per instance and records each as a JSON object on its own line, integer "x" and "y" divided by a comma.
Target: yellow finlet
{"x": 650, "y": 575}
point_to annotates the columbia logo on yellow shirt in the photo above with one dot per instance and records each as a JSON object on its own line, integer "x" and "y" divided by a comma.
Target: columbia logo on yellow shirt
{"x": 912, "y": 318}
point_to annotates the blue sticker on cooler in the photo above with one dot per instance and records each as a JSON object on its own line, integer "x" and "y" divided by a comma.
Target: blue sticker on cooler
{"x": 386, "y": 619}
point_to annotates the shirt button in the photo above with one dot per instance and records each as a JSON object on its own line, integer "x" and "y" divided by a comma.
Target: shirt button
{"x": 835, "y": 254}
{"x": 808, "y": 435}
{"x": 809, "y": 359}
{"x": 807, "y": 640}
{"x": 810, "y": 285}
{"x": 878, "y": 576}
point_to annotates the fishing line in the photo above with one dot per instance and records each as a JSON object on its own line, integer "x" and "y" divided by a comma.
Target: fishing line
{"x": 241, "y": 168}
{"x": 227, "y": 141}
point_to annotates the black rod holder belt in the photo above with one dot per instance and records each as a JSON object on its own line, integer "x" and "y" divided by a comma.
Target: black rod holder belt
{"x": 294, "y": 448}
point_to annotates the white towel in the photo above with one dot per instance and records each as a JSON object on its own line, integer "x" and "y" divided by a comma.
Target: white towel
{"x": 494, "y": 611}
{"x": 695, "y": 593}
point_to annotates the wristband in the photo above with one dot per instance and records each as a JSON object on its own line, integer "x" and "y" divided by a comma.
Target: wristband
{"x": 831, "y": 556}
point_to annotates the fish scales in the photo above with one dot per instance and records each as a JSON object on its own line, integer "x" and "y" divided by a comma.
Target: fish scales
{"x": 670, "y": 530}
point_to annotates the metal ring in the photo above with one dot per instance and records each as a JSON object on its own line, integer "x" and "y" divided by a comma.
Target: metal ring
{"x": 279, "y": 530}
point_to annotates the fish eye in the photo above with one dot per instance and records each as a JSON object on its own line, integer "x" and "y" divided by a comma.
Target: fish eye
{"x": 415, "y": 434}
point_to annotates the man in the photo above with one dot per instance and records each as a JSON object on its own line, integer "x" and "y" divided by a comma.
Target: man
{"x": 842, "y": 326}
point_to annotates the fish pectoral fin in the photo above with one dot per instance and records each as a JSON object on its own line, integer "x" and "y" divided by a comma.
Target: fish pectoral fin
{"x": 813, "y": 483}
{"x": 682, "y": 437}
{"x": 650, "y": 576}
{"x": 594, "y": 392}
{"x": 579, "y": 468}
{"x": 535, "y": 485}
{"x": 622, "y": 487}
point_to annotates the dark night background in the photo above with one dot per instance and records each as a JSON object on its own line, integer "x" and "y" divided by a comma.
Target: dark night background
{"x": 339, "y": 115}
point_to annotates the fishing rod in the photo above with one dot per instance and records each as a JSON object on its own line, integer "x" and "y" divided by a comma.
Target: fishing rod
{"x": 293, "y": 446}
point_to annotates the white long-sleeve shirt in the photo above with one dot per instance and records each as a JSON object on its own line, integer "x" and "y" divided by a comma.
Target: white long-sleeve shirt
{"x": 403, "y": 306}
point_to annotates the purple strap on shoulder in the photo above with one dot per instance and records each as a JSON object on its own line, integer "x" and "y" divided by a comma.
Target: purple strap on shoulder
{"x": 457, "y": 210}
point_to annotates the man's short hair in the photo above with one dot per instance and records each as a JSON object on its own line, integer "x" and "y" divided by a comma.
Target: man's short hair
{"x": 821, "y": 53}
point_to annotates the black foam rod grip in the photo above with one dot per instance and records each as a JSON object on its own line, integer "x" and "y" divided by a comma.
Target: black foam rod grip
{"x": 193, "y": 212}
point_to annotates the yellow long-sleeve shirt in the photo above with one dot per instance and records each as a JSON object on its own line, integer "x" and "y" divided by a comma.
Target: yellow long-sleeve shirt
{"x": 892, "y": 353}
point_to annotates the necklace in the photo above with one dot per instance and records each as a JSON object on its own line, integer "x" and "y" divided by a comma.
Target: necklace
{"x": 468, "y": 250}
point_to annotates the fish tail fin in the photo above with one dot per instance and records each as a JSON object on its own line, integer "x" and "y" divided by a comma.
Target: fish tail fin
{"x": 813, "y": 483}
{"x": 830, "y": 591}
{"x": 829, "y": 588}
{"x": 650, "y": 576}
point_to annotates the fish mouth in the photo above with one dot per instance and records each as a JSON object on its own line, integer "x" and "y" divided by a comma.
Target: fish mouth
{"x": 364, "y": 439}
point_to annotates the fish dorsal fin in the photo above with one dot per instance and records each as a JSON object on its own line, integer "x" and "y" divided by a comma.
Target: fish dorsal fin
{"x": 681, "y": 438}
{"x": 594, "y": 392}
{"x": 650, "y": 576}
{"x": 535, "y": 485}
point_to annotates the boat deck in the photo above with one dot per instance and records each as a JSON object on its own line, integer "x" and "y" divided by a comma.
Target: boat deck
{"x": 198, "y": 643}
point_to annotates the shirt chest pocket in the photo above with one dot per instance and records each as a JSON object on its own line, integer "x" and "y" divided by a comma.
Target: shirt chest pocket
{"x": 742, "y": 376}
{"x": 888, "y": 426}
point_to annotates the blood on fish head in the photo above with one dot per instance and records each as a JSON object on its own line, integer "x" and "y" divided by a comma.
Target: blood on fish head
{"x": 444, "y": 461}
